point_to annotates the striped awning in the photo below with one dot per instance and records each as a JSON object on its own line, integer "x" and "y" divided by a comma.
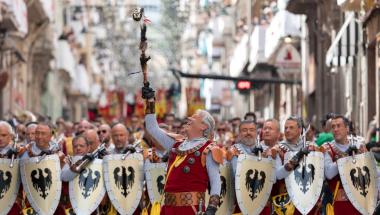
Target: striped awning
{"x": 346, "y": 44}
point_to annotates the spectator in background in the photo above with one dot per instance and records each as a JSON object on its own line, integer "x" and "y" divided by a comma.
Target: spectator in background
{"x": 20, "y": 130}
{"x": 182, "y": 128}
{"x": 326, "y": 135}
{"x": 75, "y": 128}
{"x": 135, "y": 124}
{"x": 251, "y": 116}
{"x": 67, "y": 144}
{"x": 60, "y": 125}
{"x": 169, "y": 119}
{"x": 136, "y": 129}
{"x": 311, "y": 134}
{"x": 83, "y": 126}
{"x": 30, "y": 133}
{"x": 224, "y": 136}
{"x": 80, "y": 146}
{"x": 69, "y": 129}
{"x": 373, "y": 143}
{"x": 235, "y": 123}
{"x": 176, "y": 125}
{"x": 221, "y": 130}
{"x": 104, "y": 132}
{"x": 92, "y": 139}
{"x": 120, "y": 136}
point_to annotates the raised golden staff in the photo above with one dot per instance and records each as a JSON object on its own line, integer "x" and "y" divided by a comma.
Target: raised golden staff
{"x": 138, "y": 16}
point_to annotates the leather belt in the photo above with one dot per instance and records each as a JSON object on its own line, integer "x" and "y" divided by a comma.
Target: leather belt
{"x": 184, "y": 198}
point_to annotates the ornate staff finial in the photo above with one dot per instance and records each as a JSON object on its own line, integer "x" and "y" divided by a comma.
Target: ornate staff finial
{"x": 137, "y": 14}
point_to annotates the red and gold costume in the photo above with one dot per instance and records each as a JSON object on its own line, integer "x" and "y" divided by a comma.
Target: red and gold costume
{"x": 188, "y": 178}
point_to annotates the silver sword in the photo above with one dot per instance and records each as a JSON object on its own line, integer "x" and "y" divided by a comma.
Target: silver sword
{"x": 54, "y": 149}
{"x": 129, "y": 152}
{"x": 14, "y": 147}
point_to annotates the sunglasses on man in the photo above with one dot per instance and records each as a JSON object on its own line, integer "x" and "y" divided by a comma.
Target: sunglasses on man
{"x": 102, "y": 131}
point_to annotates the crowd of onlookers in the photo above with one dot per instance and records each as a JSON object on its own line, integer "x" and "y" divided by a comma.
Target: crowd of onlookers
{"x": 225, "y": 130}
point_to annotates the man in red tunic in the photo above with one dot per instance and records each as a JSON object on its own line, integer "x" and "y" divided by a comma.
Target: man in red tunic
{"x": 334, "y": 150}
{"x": 193, "y": 163}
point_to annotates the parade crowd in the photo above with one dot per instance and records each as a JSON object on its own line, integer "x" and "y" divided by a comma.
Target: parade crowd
{"x": 194, "y": 149}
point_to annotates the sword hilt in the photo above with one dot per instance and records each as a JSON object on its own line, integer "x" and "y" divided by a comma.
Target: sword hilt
{"x": 81, "y": 165}
{"x": 40, "y": 158}
{"x": 353, "y": 158}
{"x": 129, "y": 152}
{"x": 14, "y": 147}
{"x": 12, "y": 161}
{"x": 353, "y": 144}
{"x": 125, "y": 155}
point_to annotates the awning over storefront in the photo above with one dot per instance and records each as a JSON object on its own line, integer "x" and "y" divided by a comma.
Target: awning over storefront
{"x": 345, "y": 45}
{"x": 81, "y": 82}
{"x": 257, "y": 44}
{"x": 240, "y": 57}
{"x": 288, "y": 60}
{"x": 284, "y": 24}
{"x": 64, "y": 58}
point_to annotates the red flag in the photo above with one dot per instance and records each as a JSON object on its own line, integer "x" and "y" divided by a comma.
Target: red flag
{"x": 146, "y": 20}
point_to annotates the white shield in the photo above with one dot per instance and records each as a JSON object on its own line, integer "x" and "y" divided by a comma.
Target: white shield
{"x": 124, "y": 181}
{"x": 304, "y": 184}
{"x": 227, "y": 192}
{"x": 9, "y": 184}
{"x": 253, "y": 182}
{"x": 155, "y": 175}
{"x": 358, "y": 176}
{"x": 42, "y": 182}
{"x": 87, "y": 189}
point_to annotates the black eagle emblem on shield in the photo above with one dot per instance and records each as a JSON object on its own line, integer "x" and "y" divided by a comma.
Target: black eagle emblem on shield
{"x": 5, "y": 182}
{"x": 123, "y": 180}
{"x": 88, "y": 181}
{"x": 254, "y": 184}
{"x": 304, "y": 177}
{"x": 42, "y": 181}
{"x": 160, "y": 184}
{"x": 362, "y": 181}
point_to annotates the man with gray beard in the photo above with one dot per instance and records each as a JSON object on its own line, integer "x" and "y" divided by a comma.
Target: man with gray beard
{"x": 245, "y": 142}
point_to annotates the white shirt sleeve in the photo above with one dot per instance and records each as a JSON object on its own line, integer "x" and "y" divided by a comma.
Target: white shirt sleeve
{"x": 66, "y": 174}
{"x": 213, "y": 175}
{"x": 153, "y": 129}
{"x": 281, "y": 172}
{"x": 331, "y": 168}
